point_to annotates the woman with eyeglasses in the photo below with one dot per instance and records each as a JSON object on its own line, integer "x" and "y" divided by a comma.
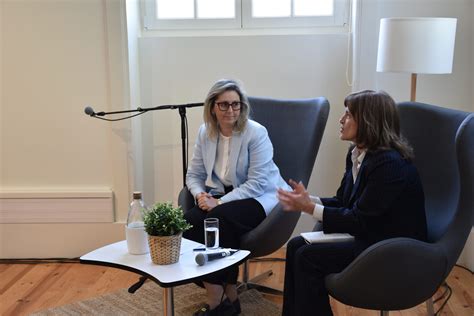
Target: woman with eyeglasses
{"x": 380, "y": 197}
{"x": 233, "y": 156}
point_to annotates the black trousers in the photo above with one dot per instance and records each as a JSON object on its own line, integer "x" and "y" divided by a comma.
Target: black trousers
{"x": 306, "y": 267}
{"x": 235, "y": 219}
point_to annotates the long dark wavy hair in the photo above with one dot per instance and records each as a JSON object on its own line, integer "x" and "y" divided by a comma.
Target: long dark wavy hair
{"x": 378, "y": 122}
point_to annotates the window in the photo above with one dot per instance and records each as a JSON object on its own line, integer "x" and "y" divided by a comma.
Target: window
{"x": 243, "y": 14}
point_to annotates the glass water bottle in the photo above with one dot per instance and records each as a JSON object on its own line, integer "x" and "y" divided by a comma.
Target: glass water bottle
{"x": 137, "y": 239}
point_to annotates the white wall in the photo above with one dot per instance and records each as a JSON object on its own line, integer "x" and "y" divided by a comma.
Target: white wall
{"x": 451, "y": 90}
{"x": 133, "y": 31}
{"x": 181, "y": 70}
{"x": 176, "y": 70}
{"x": 58, "y": 57}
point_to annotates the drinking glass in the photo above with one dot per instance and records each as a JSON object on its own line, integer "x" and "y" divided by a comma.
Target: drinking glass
{"x": 211, "y": 233}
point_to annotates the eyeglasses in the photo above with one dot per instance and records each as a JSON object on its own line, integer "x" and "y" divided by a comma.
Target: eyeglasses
{"x": 224, "y": 106}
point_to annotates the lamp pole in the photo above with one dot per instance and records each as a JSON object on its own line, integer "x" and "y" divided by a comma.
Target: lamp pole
{"x": 413, "y": 88}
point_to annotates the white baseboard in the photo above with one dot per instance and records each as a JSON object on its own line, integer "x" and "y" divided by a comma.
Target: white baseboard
{"x": 59, "y": 240}
{"x": 466, "y": 259}
{"x": 56, "y": 206}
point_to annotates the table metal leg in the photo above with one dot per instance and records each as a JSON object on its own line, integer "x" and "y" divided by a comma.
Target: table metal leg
{"x": 168, "y": 304}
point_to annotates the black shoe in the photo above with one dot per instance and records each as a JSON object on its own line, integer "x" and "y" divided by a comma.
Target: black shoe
{"x": 223, "y": 309}
{"x": 202, "y": 311}
{"x": 235, "y": 304}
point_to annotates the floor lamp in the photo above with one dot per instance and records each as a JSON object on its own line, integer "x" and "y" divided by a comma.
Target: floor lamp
{"x": 416, "y": 46}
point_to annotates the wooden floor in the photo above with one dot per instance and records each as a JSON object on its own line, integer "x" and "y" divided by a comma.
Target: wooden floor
{"x": 26, "y": 288}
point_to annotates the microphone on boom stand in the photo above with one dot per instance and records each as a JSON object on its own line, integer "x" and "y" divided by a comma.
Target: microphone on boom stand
{"x": 90, "y": 111}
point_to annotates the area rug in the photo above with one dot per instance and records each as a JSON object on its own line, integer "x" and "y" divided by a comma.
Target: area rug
{"x": 147, "y": 301}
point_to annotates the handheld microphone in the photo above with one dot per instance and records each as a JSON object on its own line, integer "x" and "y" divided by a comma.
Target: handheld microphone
{"x": 202, "y": 258}
{"x": 89, "y": 111}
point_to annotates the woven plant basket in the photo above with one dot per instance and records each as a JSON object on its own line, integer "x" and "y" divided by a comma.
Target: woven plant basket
{"x": 165, "y": 249}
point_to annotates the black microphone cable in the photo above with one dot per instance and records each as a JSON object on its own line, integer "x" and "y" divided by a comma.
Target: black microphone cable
{"x": 447, "y": 290}
{"x": 187, "y": 141}
{"x": 119, "y": 119}
{"x": 90, "y": 111}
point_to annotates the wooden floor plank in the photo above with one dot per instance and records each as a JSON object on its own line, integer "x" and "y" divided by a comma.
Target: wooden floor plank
{"x": 461, "y": 303}
{"x": 48, "y": 291}
{"x": 26, "y": 288}
{"x": 11, "y": 275}
{"x": 29, "y": 283}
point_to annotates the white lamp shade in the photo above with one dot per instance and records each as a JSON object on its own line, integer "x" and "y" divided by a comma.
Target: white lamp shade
{"x": 416, "y": 45}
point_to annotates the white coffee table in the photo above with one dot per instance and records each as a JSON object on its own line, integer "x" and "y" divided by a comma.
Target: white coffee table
{"x": 186, "y": 270}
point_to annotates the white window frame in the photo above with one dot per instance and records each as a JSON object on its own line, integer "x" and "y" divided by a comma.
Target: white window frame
{"x": 153, "y": 23}
{"x": 244, "y": 20}
{"x": 337, "y": 19}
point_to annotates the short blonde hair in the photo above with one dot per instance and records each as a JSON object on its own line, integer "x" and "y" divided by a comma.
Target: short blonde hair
{"x": 217, "y": 89}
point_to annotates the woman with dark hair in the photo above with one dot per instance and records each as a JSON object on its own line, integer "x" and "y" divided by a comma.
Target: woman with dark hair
{"x": 380, "y": 197}
{"x": 233, "y": 156}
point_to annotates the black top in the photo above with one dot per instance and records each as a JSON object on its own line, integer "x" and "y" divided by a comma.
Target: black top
{"x": 386, "y": 201}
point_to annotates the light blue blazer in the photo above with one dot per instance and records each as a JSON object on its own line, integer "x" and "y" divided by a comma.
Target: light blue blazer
{"x": 252, "y": 170}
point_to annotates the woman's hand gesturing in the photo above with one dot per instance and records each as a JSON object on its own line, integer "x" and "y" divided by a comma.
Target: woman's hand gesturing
{"x": 296, "y": 200}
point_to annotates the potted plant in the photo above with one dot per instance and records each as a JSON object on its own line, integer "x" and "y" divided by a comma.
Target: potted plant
{"x": 164, "y": 225}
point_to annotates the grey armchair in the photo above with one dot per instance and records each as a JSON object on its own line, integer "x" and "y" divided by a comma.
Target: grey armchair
{"x": 295, "y": 128}
{"x": 401, "y": 273}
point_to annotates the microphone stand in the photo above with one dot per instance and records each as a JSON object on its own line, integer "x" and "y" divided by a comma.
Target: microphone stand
{"x": 184, "y": 128}
{"x": 182, "y": 113}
